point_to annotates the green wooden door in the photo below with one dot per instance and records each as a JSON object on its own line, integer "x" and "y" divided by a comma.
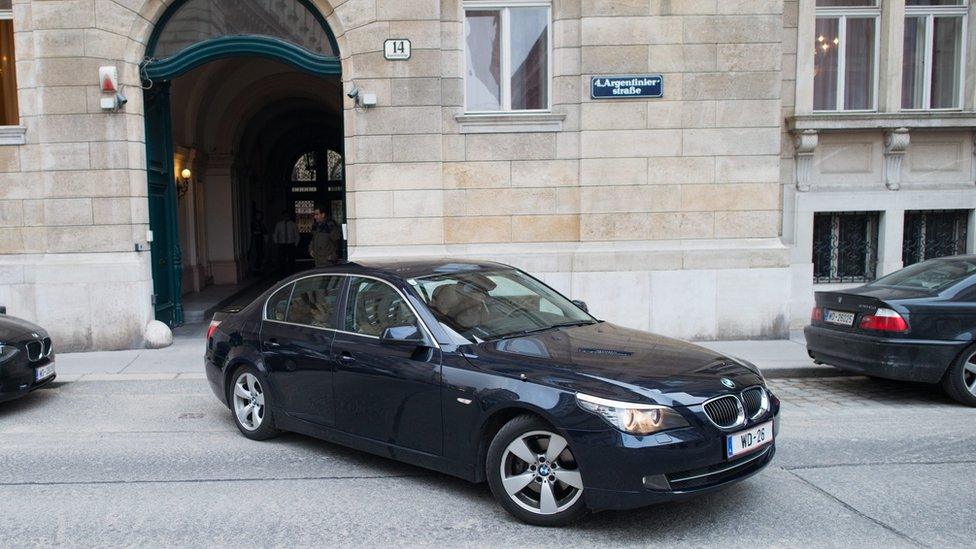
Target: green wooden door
{"x": 165, "y": 248}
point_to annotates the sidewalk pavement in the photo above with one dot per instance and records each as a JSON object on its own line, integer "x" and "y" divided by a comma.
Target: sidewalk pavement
{"x": 779, "y": 358}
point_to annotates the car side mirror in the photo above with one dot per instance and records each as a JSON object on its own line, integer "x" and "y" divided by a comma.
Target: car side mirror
{"x": 402, "y": 335}
{"x": 582, "y": 305}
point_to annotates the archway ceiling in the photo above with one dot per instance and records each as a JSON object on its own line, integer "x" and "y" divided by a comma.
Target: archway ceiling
{"x": 272, "y": 147}
{"x": 214, "y": 105}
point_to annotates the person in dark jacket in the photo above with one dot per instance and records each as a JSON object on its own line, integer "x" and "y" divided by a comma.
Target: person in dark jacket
{"x": 324, "y": 247}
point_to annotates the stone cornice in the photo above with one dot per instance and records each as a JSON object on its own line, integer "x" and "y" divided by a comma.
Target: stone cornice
{"x": 954, "y": 120}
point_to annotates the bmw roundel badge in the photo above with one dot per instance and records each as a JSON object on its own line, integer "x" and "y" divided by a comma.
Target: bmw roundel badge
{"x": 728, "y": 383}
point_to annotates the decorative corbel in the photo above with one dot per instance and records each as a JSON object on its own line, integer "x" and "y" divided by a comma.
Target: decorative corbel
{"x": 895, "y": 145}
{"x": 805, "y": 143}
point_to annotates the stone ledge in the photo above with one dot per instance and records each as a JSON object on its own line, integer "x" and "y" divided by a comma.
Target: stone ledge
{"x": 510, "y": 123}
{"x": 882, "y": 121}
{"x": 13, "y": 135}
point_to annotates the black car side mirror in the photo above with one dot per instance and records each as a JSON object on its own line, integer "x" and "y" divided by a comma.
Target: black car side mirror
{"x": 402, "y": 335}
{"x": 582, "y": 305}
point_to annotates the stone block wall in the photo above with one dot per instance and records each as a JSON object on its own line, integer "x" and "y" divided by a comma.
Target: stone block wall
{"x": 674, "y": 195}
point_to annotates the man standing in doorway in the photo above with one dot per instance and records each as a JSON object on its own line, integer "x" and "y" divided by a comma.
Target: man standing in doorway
{"x": 286, "y": 239}
{"x": 324, "y": 247}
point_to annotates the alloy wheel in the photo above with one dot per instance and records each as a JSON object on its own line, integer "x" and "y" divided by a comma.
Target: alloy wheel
{"x": 540, "y": 474}
{"x": 969, "y": 374}
{"x": 249, "y": 401}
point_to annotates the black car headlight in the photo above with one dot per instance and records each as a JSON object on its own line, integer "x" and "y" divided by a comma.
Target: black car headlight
{"x": 7, "y": 352}
{"x": 630, "y": 417}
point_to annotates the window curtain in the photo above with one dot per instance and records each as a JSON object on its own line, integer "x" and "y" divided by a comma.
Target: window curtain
{"x": 859, "y": 64}
{"x": 8, "y": 75}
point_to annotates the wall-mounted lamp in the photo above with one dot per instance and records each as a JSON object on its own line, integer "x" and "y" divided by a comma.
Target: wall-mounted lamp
{"x": 183, "y": 182}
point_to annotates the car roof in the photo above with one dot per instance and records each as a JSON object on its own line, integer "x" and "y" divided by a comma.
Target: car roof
{"x": 411, "y": 268}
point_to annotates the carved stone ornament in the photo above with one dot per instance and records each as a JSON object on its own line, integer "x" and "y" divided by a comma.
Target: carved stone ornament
{"x": 805, "y": 143}
{"x": 895, "y": 145}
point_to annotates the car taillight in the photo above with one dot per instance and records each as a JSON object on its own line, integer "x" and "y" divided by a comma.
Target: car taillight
{"x": 884, "y": 320}
{"x": 212, "y": 328}
{"x": 816, "y": 315}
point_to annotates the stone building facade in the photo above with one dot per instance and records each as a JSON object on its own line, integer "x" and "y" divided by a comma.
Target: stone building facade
{"x": 698, "y": 214}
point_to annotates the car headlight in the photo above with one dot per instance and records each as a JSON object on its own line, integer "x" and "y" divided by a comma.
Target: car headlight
{"x": 629, "y": 417}
{"x": 7, "y": 352}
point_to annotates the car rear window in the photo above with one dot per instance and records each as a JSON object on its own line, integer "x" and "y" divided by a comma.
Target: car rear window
{"x": 933, "y": 275}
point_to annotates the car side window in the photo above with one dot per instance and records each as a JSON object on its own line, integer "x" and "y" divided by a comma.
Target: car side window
{"x": 373, "y": 306}
{"x": 277, "y": 306}
{"x": 967, "y": 295}
{"x": 314, "y": 300}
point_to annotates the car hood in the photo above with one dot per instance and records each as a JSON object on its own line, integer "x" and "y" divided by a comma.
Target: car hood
{"x": 15, "y": 329}
{"x": 611, "y": 361}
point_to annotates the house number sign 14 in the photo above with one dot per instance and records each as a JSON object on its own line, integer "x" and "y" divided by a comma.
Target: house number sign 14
{"x": 396, "y": 49}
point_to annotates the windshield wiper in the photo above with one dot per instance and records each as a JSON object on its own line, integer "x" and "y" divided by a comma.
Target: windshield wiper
{"x": 542, "y": 329}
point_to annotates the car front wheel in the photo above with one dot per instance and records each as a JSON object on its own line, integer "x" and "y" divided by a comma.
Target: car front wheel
{"x": 534, "y": 475}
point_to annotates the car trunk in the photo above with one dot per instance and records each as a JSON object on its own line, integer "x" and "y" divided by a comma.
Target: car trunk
{"x": 865, "y": 300}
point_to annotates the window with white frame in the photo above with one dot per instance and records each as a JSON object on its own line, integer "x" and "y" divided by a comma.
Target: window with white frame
{"x": 9, "y": 115}
{"x": 934, "y": 54}
{"x": 507, "y": 64}
{"x": 845, "y": 57}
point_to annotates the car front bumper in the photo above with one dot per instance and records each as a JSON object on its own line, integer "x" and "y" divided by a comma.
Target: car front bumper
{"x": 902, "y": 359}
{"x": 623, "y": 471}
{"x": 16, "y": 380}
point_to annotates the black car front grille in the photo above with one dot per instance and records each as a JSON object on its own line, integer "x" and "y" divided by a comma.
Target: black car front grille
{"x": 35, "y": 350}
{"x": 38, "y": 348}
{"x": 753, "y": 400}
{"x": 724, "y": 411}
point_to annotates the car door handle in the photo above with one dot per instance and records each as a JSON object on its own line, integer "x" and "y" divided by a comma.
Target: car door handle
{"x": 346, "y": 357}
{"x": 272, "y": 343}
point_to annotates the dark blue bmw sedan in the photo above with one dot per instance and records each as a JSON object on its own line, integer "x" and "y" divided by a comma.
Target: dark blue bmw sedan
{"x": 481, "y": 371}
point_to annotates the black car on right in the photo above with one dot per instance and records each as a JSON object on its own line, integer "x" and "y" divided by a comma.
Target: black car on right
{"x": 916, "y": 324}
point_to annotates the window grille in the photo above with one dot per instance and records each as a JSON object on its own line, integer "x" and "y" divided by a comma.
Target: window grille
{"x": 934, "y": 233}
{"x": 845, "y": 247}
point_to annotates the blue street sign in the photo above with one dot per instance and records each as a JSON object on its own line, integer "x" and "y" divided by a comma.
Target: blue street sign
{"x": 624, "y": 87}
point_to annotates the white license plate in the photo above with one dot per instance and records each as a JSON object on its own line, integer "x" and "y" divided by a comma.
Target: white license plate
{"x": 746, "y": 441}
{"x": 839, "y": 317}
{"x": 44, "y": 372}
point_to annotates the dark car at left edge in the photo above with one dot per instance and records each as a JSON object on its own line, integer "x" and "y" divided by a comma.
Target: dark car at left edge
{"x": 478, "y": 370}
{"x": 26, "y": 357}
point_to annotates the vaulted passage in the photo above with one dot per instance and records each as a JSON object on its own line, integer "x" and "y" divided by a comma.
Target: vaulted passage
{"x": 262, "y": 142}
{"x": 243, "y": 108}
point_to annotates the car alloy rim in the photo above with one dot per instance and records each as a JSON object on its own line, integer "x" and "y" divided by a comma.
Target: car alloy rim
{"x": 969, "y": 374}
{"x": 540, "y": 473}
{"x": 249, "y": 401}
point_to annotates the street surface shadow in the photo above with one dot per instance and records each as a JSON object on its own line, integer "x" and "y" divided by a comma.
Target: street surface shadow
{"x": 30, "y": 402}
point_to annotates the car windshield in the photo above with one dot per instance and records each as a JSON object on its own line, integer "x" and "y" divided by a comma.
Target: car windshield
{"x": 933, "y": 275}
{"x": 483, "y": 305}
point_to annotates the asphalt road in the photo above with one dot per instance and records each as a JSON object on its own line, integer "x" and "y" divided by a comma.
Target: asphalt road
{"x": 861, "y": 463}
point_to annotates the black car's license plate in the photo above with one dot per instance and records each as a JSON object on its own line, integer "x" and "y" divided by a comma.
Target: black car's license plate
{"x": 839, "y": 317}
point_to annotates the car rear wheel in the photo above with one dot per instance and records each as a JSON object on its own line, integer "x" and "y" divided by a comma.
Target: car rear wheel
{"x": 534, "y": 475}
{"x": 250, "y": 403}
{"x": 960, "y": 380}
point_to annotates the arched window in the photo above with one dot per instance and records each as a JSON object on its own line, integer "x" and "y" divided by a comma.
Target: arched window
{"x": 318, "y": 166}
{"x": 199, "y": 20}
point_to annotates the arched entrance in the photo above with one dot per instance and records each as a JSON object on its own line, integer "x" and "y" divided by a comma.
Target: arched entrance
{"x": 237, "y": 93}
